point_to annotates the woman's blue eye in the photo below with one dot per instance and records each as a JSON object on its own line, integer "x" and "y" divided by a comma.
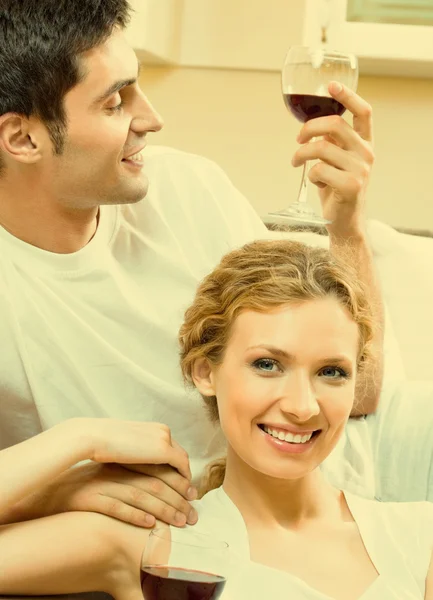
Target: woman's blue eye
{"x": 334, "y": 373}
{"x": 266, "y": 364}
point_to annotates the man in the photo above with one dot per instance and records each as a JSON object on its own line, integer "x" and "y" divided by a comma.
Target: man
{"x": 96, "y": 270}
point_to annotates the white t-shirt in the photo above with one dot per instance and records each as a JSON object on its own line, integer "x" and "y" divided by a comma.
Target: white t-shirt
{"x": 94, "y": 333}
{"x": 397, "y": 536}
{"x": 401, "y": 433}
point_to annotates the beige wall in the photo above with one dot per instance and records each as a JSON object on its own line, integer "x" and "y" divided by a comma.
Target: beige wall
{"x": 238, "y": 119}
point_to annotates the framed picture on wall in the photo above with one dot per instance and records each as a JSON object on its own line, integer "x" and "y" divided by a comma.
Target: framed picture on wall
{"x": 390, "y": 37}
{"x": 391, "y": 12}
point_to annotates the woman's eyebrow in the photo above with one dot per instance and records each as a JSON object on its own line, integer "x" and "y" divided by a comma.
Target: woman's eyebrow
{"x": 336, "y": 360}
{"x": 273, "y": 350}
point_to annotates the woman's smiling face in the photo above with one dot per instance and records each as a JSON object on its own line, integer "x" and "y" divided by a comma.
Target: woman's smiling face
{"x": 287, "y": 372}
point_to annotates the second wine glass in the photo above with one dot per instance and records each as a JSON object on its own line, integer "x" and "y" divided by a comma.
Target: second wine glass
{"x": 306, "y": 75}
{"x": 182, "y": 564}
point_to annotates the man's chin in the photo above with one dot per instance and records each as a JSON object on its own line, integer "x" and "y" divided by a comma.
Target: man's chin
{"x": 129, "y": 194}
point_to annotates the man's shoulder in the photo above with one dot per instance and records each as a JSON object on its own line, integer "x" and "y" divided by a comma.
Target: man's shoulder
{"x": 194, "y": 191}
{"x": 168, "y": 166}
{"x": 165, "y": 157}
{"x": 168, "y": 155}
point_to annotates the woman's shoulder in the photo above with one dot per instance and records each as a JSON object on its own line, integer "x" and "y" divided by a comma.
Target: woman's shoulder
{"x": 413, "y": 519}
{"x": 402, "y": 527}
{"x": 213, "y": 509}
{"x": 405, "y": 513}
{"x": 219, "y": 516}
{"x": 414, "y": 515}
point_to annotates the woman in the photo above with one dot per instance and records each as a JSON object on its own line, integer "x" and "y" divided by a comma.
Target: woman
{"x": 274, "y": 346}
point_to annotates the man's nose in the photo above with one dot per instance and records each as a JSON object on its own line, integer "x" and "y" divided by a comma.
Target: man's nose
{"x": 298, "y": 397}
{"x": 147, "y": 118}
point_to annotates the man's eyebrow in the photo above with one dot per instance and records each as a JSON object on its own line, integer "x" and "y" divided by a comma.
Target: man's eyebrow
{"x": 116, "y": 87}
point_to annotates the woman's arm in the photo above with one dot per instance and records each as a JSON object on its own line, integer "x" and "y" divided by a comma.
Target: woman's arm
{"x": 71, "y": 553}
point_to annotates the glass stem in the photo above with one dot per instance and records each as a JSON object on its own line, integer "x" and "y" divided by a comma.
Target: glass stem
{"x": 302, "y": 194}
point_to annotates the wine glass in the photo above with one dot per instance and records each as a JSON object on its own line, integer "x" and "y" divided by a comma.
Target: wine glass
{"x": 306, "y": 74}
{"x": 181, "y": 564}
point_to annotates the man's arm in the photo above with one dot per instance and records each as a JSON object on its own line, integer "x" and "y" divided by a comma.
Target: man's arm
{"x": 36, "y": 478}
{"x": 345, "y": 158}
{"x": 369, "y": 381}
{"x": 32, "y": 464}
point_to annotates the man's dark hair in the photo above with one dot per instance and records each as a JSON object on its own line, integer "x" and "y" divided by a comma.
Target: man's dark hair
{"x": 40, "y": 44}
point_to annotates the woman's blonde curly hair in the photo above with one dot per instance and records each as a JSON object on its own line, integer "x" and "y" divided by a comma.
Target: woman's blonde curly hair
{"x": 260, "y": 276}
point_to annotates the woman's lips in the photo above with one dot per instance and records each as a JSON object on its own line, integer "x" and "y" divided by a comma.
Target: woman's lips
{"x": 290, "y": 443}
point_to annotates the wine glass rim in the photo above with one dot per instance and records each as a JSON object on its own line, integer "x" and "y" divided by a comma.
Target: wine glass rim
{"x": 158, "y": 566}
{"x": 326, "y": 51}
{"x": 214, "y": 542}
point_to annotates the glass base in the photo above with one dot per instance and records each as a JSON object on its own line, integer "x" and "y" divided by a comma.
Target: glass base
{"x": 300, "y": 212}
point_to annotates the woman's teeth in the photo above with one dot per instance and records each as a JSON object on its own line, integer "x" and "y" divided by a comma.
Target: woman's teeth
{"x": 288, "y": 437}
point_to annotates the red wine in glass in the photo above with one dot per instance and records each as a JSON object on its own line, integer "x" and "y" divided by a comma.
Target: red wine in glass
{"x": 305, "y": 106}
{"x": 167, "y": 583}
{"x": 305, "y": 78}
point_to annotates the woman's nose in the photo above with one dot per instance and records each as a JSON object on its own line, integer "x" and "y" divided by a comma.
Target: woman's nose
{"x": 298, "y": 398}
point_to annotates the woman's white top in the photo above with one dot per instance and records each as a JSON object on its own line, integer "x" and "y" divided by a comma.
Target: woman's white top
{"x": 397, "y": 536}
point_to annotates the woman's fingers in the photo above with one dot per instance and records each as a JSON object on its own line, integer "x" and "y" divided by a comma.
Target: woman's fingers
{"x": 168, "y": 475}
{"x": 133, "y": 497}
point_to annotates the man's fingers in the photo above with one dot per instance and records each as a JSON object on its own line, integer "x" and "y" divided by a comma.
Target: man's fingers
{"x": 180, "y": 460}
{"x": 360, "y": 109}
{"x": 329, "y": 153}
{"x": 347, "y": 184}
{"x": 336, "y": 129}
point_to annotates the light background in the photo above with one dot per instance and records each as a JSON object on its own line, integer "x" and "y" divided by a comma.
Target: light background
{"x": 225, "y": 103}
{"x": 238, "y": 119}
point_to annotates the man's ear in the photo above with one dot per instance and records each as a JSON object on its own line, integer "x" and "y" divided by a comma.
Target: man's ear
{"x": 203, "y": 377}
{"x": 19, "y": 138}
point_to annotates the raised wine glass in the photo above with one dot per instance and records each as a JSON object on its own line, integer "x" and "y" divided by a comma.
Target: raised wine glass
{"x": 181, "y": 564}
{"x": 306, "y": 75}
